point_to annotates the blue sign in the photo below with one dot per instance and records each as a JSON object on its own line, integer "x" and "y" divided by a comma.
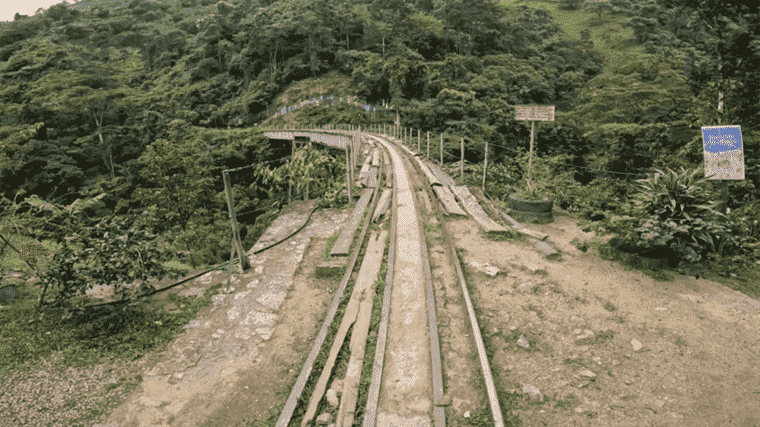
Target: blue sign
{"x": 330, "y": 97}
{"x": 320, "y": 97}
{"x": 723, "y": 152}
{"x": 373, "y": 109}
{"x": 283, "y": 111}
{"x": 366, "y": 107}
{"x": 314, "y": 99}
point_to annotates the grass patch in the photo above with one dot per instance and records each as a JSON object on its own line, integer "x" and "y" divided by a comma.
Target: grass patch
{"x": 508, "y": 236}
{"x": 85, "y": 339}
{"x": 330, "y": 243}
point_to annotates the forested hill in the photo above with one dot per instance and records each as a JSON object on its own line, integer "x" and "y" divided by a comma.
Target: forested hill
{"x": 98, "y": 95}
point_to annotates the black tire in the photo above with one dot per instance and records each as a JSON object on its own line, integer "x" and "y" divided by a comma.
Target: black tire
{"x": 531, "y": 215}
{"x": 536, "y": 206}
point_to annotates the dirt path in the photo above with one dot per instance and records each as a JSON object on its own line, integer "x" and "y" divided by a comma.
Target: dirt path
{"x": 610, "y": 347}
{"x": 207, "y": 366}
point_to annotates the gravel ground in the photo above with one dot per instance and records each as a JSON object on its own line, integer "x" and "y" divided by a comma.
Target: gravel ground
{"x": 45, "y": 395}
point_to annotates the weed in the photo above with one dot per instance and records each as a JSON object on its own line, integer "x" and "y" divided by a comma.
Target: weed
{"x": 541, "y": 272}
{"x": 570, "y": 361}
{"x": 609, "y": 307}
{"x": 330, "y": 243}
{"x": 508, "y": 236}
{"x": 582, "y": 246}
{"x": 603, "y": 336}
{"x": 565, "y": 403}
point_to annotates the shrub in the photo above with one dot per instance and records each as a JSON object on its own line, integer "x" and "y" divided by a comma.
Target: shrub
{"x": 678, "y": 214}
{"x": 112, "y": 253}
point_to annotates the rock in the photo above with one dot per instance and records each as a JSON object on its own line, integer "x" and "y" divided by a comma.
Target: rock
{"x": 636, "y": 344}
{"x": 444, "y": 401}
{"x": 485, "y": 268}
{"x": 587, "y": 373}
{"x": 337, "y": 385}
{"x": 373, "y": 333}
{"x": 533, "y": 392}
{"x": 170, "y": 307}
{"x": 176, "y": 377}
{"x": 587, "y": 334}
{"x": 332, "y": 398}
{"x": 467, "y": 414}
{"x": 526, "y": 287}
{"x": 324, "y": 419}
{"x": 580, "y": 410}
{"x": 522, "y": 342}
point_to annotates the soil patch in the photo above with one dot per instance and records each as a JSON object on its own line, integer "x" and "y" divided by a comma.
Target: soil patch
{"x": 594, "y": 344}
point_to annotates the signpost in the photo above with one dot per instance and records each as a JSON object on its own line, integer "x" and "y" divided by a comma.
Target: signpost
{"x": 724, "y": 155}
{"x": 544, "y": 113}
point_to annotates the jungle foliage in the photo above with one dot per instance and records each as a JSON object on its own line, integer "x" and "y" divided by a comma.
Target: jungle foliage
{"x": 146, "y": 103}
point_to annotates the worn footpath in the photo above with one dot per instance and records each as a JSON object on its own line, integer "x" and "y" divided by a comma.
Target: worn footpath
{"x": 196, "y": 372}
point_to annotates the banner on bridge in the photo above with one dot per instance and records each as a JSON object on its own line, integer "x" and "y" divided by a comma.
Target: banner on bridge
{"x": 723, "y": 151}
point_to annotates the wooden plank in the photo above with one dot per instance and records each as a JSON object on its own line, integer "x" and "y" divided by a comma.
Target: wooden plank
{"x": 382, "y": 205}
{"x": 432, "y": 179}
{"x": 376, "y": 157}
{"x": 367, "y": 278}
{"x": 441, "y": 175}
{"x": 447, "y": 199}
{"x": 516, "y": 225}
{"x": 388, "y": 170}
{"x": 349, "y": 317}
{"x": 475, "y": 210}
{"x": 372, "y": 177}
{"x": 347, "y": 234}
{"x": 364, "y": 172}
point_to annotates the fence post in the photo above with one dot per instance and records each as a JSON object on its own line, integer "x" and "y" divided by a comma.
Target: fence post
{"x": 441, "y": 151}
{"x": 245, "y": 263}
{"x": 306, "y": 194}
{"x": 292, "y": 154}
{"x": 485, "y": 166}
{"x": 428, "y": 146}
{"x": 348, "y": 175}
{"x": 461, "y": 165}
{"x": 418, "y": 140}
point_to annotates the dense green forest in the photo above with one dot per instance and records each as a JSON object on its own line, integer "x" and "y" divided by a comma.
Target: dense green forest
{"x": 121, "y": 115}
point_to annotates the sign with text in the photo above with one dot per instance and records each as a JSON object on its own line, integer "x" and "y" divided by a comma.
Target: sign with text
{"x": 724, "y": 154}
{"x": 542, "y": 113}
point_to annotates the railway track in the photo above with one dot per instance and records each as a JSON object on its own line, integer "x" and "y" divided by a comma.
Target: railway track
{"x": 406, "y": 386}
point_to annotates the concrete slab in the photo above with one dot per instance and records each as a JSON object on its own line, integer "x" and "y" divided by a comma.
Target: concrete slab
{"x": 406, "y": 392}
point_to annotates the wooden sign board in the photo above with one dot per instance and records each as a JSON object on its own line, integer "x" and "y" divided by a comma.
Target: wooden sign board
{"x": 542, "y": 113}
{"x": 723, "y": 151}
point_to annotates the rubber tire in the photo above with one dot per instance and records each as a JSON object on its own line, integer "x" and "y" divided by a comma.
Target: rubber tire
{"x": 536, "y": 206}
{"x": 531, "y": 215}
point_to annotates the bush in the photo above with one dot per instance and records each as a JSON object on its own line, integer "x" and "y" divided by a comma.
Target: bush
{"x": 678, "y": 215}
{"x": 111, "y": 253}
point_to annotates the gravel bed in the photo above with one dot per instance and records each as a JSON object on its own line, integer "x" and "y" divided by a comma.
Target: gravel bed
{"x": 45, "y": 395}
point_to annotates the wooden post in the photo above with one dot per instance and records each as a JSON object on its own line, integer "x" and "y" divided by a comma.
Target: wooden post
{"x": 418, "y": 140}
{"x": 348, "y": 175}
{"x": 428, "y": 146}
{"x": 292, "y": 154}
{"x": 306, "y": 194}
{"x": 485, "y": 166}
{"x": 441, "y": 151}
{"x": 530, "y": 156}
{"x": 461, "y": 165}
{"x": 245, "y": 263}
